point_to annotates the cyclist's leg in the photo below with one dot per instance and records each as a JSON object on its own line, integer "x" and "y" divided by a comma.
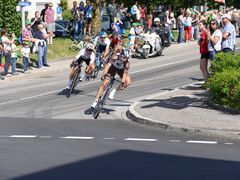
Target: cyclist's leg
{"x": 72, "y": 73}
{"x": 90, "y": 67}
{"x": 97, "y": 59}
{"x": 126, "y": 79}
{"x": 103, "y": 86}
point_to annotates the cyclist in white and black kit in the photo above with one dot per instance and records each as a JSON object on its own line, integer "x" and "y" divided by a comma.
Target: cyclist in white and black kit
{"x": 118, "y": 64}
{"x": 85, "y": 55}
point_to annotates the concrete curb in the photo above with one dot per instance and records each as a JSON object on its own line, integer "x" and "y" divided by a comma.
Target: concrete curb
{"x": 136, "y": 117}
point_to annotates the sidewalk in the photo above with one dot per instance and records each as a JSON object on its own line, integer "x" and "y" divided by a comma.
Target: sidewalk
{"x": 55, "y": 67}
{"x": 186, "y": 109}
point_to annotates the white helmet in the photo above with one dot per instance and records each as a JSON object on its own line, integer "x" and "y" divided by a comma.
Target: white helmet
{"x": 125, "y": 52}
{"x": 89, "y": 46}
{"x": 156, "y": 19}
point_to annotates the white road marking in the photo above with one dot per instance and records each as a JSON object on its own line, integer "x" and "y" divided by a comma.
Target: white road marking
{"x": 202, "y": 142}
{"x": 23, "y": 136}
{"x": 77, "y": 137}
{"x": 228, "y": 143}
{"x": 30, "y": 97}
{"x": 164, "y": 65}
{"x": 109, "y": 138}
{"x": 174, "y": 141}
{"x": 140, "y": 139}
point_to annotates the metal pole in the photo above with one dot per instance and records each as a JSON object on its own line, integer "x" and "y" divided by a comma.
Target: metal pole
{"x": 23, "y": 15}
{"x": 225, "y": 6}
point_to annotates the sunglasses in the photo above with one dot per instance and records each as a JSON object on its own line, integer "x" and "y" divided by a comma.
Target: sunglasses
{"x": 124, "y": 57}
{"x": 90, "y": 50}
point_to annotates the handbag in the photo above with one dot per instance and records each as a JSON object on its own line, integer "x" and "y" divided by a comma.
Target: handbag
{"x": 214, "y": 48}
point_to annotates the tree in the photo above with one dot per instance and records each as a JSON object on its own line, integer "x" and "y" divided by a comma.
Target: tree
{"x": 96, "y": 22}
{"x": 66, "y": 12}
{"x": 9, "y": 18}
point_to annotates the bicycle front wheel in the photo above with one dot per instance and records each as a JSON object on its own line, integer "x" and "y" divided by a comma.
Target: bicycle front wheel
{"x": 74, "y": 84}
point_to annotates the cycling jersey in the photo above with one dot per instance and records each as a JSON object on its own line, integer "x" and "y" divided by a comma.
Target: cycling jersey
{"x": 115, "y": 41}
{"x": 119, "y": 64}
{"x": 101, "y": 46}
{"x": 83, "y": 56}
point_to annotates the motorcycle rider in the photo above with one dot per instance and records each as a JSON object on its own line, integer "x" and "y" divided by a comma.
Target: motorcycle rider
{"x": 161, "y": 14}
{"x": 159, "y": 29}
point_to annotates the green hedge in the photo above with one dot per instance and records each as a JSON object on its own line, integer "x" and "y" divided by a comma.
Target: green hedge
{"x": 224, "y": 83}
{"x": 224, "y": 61}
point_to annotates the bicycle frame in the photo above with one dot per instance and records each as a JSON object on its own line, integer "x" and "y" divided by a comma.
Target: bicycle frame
{"x": 75, "y": 80}
{"x": 103, "y": 99}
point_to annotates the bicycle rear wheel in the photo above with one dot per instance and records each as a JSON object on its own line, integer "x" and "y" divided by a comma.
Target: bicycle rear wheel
{"x": 97, "y": 110}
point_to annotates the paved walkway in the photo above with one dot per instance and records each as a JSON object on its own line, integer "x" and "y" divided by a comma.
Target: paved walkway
{"x": 55, "y": 67}
{"x": 186, "y": 109}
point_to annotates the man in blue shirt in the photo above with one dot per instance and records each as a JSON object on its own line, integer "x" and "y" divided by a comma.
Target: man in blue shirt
{"x": 88, "y": 17}
{"x": 229, "y": 34}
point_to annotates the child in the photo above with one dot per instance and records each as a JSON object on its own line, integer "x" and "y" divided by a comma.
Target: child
{"x": 131, "y": 37}
{"x": 25, "y": 51}
{"x": 14, "y": 55}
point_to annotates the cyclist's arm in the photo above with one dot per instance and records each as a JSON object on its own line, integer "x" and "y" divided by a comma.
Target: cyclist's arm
{"x": 95, "y": 42}
{"x": 127, "y": 66}
{"x": 107, "y": 66}
{"x": 106, "y": 51}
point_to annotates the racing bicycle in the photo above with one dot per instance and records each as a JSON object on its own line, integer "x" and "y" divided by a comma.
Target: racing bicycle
{"x": 103, "y": 99}
{"x": 100, "y": 65}
{"x": 75, "y": 80}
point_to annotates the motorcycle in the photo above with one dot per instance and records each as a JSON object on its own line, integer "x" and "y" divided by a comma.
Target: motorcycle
{"x": 152, "y": 45}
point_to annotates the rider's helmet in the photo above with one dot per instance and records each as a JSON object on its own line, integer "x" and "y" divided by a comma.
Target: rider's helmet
{"x": 102, "y": 34}
{"x": 125, "y": 52}
{"x": 89, "y": 47}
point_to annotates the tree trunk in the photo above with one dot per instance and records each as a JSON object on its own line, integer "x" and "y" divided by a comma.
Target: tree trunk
{"x": 96, "y": 21}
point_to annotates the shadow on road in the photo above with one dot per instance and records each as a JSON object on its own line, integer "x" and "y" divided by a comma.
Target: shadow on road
{"x": 126, "y": 164}
{"x": 197, "y": 99}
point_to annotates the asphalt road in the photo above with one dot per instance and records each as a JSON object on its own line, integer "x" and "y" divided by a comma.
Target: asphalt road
{"x": 44, "y": 135}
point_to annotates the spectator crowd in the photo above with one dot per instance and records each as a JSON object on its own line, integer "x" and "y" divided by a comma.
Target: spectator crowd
{"x": 214, "y": 31}
{"x": 35, "y": 37}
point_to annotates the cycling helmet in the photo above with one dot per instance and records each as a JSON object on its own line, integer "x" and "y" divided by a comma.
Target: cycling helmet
{"x": 125, "y": 52}
{"x": 89, "y": 46}
{"x": 102, "y": 34}
{"x": 156, "y": 19}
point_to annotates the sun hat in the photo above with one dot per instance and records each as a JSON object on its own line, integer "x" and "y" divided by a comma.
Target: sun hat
{"x": 228, "y": 16}
{"x": 27, "y": 22}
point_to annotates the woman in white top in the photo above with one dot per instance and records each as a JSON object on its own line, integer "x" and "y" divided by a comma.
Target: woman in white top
{"x": 7, "y": 51}
{"x": 215, "y": 38}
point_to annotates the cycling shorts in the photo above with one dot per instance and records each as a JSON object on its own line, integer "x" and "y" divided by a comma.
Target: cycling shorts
{"x": 113, "y": 70}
